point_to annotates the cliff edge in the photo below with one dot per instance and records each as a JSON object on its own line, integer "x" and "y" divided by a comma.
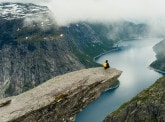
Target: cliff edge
{"x": 147, "y": 106}
{"x": 58, "y": 99}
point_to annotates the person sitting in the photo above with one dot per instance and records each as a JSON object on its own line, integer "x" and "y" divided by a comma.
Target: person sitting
{"x": 106, "y": 64}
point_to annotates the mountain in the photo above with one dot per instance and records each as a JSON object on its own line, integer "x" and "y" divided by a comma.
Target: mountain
{"x": 147, "y": 106}
{"x": 122, "y": 30}
{"x": 33, "y": 48}
{"x": 10, "y": 11}
{"x": 159, "y": 63}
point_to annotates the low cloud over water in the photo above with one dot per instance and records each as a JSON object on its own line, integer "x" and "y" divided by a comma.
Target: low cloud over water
{"x": 68, "y": 11}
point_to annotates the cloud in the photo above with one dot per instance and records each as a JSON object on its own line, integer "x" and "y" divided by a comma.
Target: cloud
{"x": 69, "y": 11}
{"x": 38, "y": 2}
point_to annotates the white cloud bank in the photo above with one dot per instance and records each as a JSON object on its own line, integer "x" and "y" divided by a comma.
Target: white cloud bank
{"x": 27, "y": 1}
{"x": 68, "y": 11}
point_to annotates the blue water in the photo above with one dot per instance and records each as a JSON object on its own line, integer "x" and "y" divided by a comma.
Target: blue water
{"x": 133, "y": 60}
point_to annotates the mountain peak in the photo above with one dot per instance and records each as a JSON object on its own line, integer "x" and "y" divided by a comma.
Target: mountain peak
{"x": 20, "y": 10}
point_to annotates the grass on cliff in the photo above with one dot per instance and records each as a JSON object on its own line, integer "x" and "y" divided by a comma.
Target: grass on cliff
{"x": 85, "y": 55}
{"x": 153, "y": 93}
{"x": 9, "y": 90}
{"x": 85, "y": 59}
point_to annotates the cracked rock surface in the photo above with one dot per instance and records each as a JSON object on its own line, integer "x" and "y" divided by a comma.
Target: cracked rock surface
{"x": 60, "y": 98}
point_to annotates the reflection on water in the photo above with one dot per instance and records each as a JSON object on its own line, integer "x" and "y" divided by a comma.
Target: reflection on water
{"x": 133, "y": 60}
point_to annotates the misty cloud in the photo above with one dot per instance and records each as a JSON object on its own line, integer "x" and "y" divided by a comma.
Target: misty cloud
{"x": 43, "y": 21}
{"x": 27, "y": 1}
{"x": 69, "y": 11}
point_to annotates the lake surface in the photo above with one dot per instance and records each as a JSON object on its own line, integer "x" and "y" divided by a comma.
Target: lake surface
{"x": 133, "y": 60}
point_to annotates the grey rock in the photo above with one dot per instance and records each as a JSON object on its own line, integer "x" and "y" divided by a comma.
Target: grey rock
{"x": 34, "y": 49}
{"x": 60, "y": 98}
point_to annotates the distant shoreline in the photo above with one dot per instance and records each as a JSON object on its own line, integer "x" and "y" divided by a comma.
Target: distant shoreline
{"x": 157, "y": 70}
{"x": 112, "y": 50}
{"x": 119, "y": 48}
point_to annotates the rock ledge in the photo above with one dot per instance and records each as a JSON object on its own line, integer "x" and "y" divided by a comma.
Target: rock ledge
{"x": 58, "y": 99}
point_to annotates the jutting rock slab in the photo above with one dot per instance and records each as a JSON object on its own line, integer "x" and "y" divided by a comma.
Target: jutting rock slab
{"x": 59, "y": 99}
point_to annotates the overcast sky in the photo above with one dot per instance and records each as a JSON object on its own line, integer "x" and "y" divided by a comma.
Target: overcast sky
{"x": 67, "y": 11}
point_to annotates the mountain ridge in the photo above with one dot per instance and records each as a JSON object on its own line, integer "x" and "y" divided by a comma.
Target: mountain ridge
{"x": 147, "y": 106}
{"x": 11, "y": 11}
{"x": 33, "y": 48}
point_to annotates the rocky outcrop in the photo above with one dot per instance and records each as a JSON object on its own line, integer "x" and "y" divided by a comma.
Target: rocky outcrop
{"x": 58, "y": 99}
{"x": 147, "y": 106}
{"x": 33, "y": 48}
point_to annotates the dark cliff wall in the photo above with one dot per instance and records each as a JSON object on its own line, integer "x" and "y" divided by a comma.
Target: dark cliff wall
{"x": 159, "y": 63}
{"x": 147, "y": 106}
{"x": 31, "y": 55}
{"x": 34, "y": 49}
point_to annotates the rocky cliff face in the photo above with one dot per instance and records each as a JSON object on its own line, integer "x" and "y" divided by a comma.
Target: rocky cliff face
{"x": 34, "y": 49}
{"x": 147, "y": 106}
{"x": 58, "y": 99}
{"x": 159, "y": 63}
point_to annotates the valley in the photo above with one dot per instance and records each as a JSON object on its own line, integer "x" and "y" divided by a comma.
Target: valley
{"x": 33, "y": 48}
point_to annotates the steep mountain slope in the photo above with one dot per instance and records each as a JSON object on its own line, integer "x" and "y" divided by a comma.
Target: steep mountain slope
{"x": 159, "y": 64}
{"x": 34, "y": 49}
{"x": 147, "y": 106}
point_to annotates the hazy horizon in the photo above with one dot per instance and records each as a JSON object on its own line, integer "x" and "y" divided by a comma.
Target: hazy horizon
{"x": 105, "y": 11}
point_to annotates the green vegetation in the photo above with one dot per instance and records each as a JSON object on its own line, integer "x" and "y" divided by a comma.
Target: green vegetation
{"x": 83, "y": 58}
{"x": 9, "y": 90}
{"x": 35, "y": 34}
{"x": 27, "y": 86}
{"x": 147, "y": 96}
{"x": 96, "y": 49}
